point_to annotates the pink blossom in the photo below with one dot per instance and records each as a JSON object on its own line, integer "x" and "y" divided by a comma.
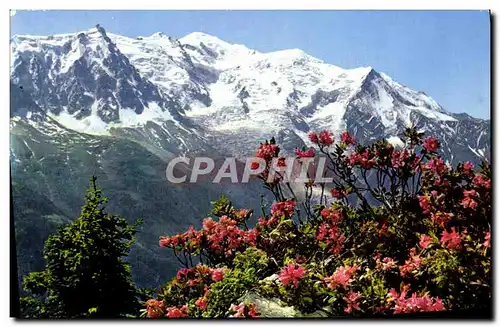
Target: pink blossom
{"x": 326, "y": 138}
{"x": 354, "y": 159}
{"x": 323, "y": 230}
{"x": 292, "y": 274}
{"x": 430, "y": 144}
{"x": 411, "y": 265}
{"x": 351, "y": 299}
{"x": 451, "y": 240}
{"x": 332, "y": 215}
{"x": 155, "y": 308}
{"x": 469, "y": 203}
{"x": 313, "y": 137}
{"x": 347, "y": 138}
{"x": 441, "y": 218}
{"x": 208, "y": 224}
{"x": 239, "y": 310}
{"x": 415, "y": 303}
{"x": 254, "y": 165}
{"x": 481, "y": 181}
{"x": 487, "y": 240}
{"x": 386, "y": 264}
{"x": 174, "y": 312}
{"x": 425, "y": 203}
{"x": 399, "y": 158}
{"x": 201, "y": 303}
{"x": 252, "y": 311}
{"x": 165, "y": 241}
{"x": 267, "y": 151}
{"x": 424, "y": 242}
{"x": 282, "y": 208}
{"x": 217, "y": 274}
{"x": 341, "y": 277}
{"x": 305, "y": 154}
{"x": 437, "y": 166}
{"x": 467, "y": 167}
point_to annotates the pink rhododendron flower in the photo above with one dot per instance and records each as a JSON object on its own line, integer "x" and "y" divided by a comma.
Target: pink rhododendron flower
{"x": 331, "y": 215}
{"x": 313, "y": 137}
{"x": 341, "y": 277}
{"x": 165, "y": 241}
{"x": 413, "y": 263}
{"x": 436, "y": 166}
{"x": 217, "y": 274}
{"x": 399, "y": 158}
{"x": 451, "y": 240}
{"x": 292, "y": 274}
{"x": 366, "y": 159}
{"x": 305, "y": 154}
{"x": 430, "y": 144}
{"x": 282, "y": 208}
{"x": 441, "y": 218}
{"x": 469, "y": 200}
{"x": 386, "y": 264}
{"x": 424, "y": 242}
{"x": 415, "y": 303}
{"x": 351, "y": 299}
{"x": 239, "y": 310}
{"x": 252, "y": 311}
{"x": 425, "y": 203}
{"x": 467, "y": 167}
{"x": 201, "y": 303}
{"x": 267, "y": 151}
{"x": 347, "y": 138}
{"x": 481, "y": 181}
{"x": 326, "y": 138}
{"x": 174, "y": 312}
{"x": 155, "y": 309}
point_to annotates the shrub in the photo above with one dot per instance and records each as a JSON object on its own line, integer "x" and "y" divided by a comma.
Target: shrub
{"x": 402, "y": 232}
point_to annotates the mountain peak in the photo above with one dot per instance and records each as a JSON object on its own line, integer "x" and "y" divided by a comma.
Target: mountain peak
{"x": 196, "y": 38}
{"x": 158, "y": 35}
{"x": 97, "y": 29}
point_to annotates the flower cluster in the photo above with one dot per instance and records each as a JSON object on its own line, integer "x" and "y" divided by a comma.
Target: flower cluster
{"x": 412, "y": 264}
{"x": 324, "y": 138}
{"x": 341, "y": 277}
{"x": 415, "y": 303}
{"x": 292, "y": 274}
{"x": 284, "y": 208}
{"x": 223, "y": 236}
{"x": 451, "y": 240}
{"x": 243, "y": 311}
{"x": 347, "y": 138}
{"x": 174, "y": 312}
{"x": 329, "y": 231}
{"x": 305, "y": 154}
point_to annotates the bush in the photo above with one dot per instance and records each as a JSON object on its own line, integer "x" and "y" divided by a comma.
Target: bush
{"x": 401, "y": 231}
{"x": 85, "y": 275}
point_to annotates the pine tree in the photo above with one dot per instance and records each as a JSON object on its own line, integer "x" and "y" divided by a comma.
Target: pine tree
{"x": 85, "y": 274}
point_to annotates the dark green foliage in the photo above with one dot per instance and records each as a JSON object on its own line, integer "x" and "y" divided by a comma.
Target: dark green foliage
{"x": 85, "y": 275}
{"x": 249, "y": 266}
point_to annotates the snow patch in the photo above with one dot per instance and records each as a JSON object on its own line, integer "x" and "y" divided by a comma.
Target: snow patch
{"x": 396, "y": 141}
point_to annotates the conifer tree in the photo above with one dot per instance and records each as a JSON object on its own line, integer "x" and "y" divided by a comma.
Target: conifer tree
{"x": 85, "y": 274}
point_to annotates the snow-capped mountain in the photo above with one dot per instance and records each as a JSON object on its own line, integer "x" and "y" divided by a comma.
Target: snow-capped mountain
{"x": 94, "y": 82}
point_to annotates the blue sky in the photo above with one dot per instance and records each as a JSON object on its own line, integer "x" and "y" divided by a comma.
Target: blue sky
{"x": 443, "y": 53}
